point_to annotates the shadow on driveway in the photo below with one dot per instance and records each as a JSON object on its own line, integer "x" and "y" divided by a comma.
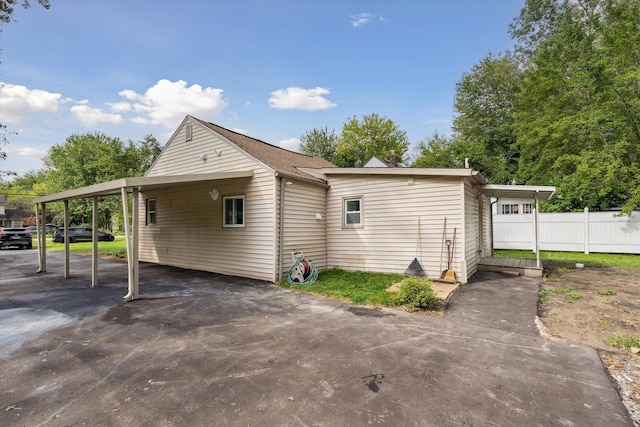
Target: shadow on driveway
{"x": 205, "y": 349}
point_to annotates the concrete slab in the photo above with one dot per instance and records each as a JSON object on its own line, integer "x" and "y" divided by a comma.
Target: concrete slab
{"x": 206, "y": 349}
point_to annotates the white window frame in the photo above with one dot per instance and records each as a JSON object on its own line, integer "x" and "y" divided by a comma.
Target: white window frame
{"x": 150, "y": 214}
{"x": 234, "y": 214}
{"x": 346, "y": 212}
{"x": 188, "y": 132}
{"x": 510, "y": 209}
{"x": 527, "y": 208}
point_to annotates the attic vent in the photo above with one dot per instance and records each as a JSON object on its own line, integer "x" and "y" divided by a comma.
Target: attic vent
{"x": 188, "y": 131}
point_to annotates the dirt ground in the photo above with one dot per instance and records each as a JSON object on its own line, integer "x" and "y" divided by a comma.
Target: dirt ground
{"x": 590, "y": 306}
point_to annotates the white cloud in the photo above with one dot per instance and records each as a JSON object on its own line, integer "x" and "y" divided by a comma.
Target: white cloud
{"x": 167, "y": 102}
{"x": 31, "y": 152}
{"x": 120, "y": 107}
{"x": 290, "y": 143}
{"x": 19, "y": 101}
{"x": 90, "y": 117}
{"x": 299, "y": 98}
{"x": 364, "y": 18}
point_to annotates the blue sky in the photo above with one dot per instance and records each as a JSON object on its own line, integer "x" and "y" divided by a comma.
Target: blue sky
{"x": 270, "y": 69}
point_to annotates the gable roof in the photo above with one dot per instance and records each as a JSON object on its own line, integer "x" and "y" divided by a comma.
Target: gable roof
{"x": 279, "y": 159}
{"x": 17, "y": 214}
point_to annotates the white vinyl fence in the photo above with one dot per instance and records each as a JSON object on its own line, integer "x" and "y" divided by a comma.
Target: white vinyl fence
{"x": 574, "y": 232}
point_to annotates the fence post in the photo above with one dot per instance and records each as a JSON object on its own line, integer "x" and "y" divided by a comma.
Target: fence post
{"x": 586, "y": 230}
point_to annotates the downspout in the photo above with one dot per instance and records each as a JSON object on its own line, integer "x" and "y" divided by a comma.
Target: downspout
{"x": 491, "y": 222}
{"x": 281, "y": 229}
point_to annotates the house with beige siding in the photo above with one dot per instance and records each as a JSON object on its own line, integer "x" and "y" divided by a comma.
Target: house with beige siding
{"x": 220, "y": 201}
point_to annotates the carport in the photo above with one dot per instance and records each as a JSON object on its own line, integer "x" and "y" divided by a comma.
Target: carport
{"x": 531, "y": 192}
{"x": 122, "y": 187}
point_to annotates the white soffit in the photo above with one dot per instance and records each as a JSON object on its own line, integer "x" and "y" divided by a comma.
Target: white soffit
{"x": 517, "y": 191}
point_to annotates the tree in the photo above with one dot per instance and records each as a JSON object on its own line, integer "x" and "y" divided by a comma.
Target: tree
{"x": 320, "y": 143}
{"x": 7, "y": 8}
{"x": 3, "y": 154}
{"x": 484, "y": 102}
{"x": 436, "y": 151}
{"x": 146, "y": 151}
{"x": 578, "y": 111}
{"x": 6, "y": 16}
{"x": 373, "y": 136}
{"x": 92, "y": 158}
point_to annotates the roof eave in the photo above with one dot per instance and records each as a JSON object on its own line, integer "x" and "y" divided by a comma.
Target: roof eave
{"x": 115, "y": 187}
{"x": 539, "y": 192}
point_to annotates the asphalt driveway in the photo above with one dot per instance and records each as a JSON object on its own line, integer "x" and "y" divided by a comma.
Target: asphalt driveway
{"x": 205, "y": 349}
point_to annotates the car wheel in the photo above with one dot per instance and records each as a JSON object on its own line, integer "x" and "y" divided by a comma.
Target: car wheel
{"x": 71, "y": 240}
{"x": 29, "y": 246}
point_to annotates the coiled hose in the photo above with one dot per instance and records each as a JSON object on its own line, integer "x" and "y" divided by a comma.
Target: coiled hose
{"x": 302, "y": 272}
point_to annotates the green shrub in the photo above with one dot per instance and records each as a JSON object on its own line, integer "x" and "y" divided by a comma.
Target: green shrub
{"x": 415, "y": 293}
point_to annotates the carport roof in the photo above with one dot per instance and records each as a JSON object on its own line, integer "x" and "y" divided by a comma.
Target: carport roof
{"x": 517, "y": 191}
{"x": 142, "y": 183}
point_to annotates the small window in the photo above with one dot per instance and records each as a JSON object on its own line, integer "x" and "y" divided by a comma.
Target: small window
{"x": 527, "y": 208}
{"x": 188, "y": 132}
{"x": 151, "y": 211}
{"x": 233, "y": 211}
{"x": 510, "y": 209}
{"x": 352, "y": 212}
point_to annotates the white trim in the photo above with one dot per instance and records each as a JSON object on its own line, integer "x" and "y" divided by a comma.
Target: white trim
{"x": 112, "y": 188}
{"x": 234, "y": 212}
{"x": 475, "y": 176}
{"x": 517, "y": 191}
{"x": 345, "y": 212}
{"x": 148, "y": 212}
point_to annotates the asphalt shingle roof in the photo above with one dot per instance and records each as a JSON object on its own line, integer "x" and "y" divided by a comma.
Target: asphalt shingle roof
{"x": 280, "y": 159}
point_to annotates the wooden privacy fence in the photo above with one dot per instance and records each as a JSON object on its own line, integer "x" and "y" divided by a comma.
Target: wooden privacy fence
{"x": 573, "y": 232}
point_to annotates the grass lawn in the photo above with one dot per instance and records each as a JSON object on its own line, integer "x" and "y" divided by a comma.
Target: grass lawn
{"x": 117, "y": 248}
{"x": 589, "y": 260}
{"x": 358, "y": 287}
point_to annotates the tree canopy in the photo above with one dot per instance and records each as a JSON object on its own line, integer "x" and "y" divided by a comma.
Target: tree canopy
{"x": 372, "y": 136}
{"x": 562, "y": 109}
{"x": 320, "y": 143}
{"x": 92, "y": 158}
{"x": 7, "y": 7}
{"x": 578, "y": 111}
{"x": 358, "y": 142}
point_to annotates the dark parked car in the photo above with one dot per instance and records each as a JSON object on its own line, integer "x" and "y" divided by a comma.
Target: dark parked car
{"x": 48, "y": 229}
{"x": 15, "y": 237}
{"x": 81, "y": 234}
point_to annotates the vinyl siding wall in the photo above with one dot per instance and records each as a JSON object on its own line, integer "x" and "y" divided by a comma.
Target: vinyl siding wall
{"x": 302, "y": 231}
{"x": 188, "y": 232}
{"x": 391, "y": 207}
{"x": 487, "y": 227}
{"x": 183, "y": 157}
{"x": 471, "y": 229}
